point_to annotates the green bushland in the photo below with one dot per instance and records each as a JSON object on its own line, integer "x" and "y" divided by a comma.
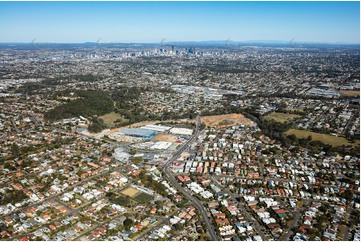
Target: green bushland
{"x": 90, "y": 103}
{"x": 12, "y": 197}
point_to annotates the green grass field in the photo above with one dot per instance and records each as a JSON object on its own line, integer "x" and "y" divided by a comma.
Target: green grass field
{"x": 143, "y": 197}
{"x": 110, "y": 118}
{"x": 281, "y": 117}
{"x": 325, "y": 138}
{"x": 350, "y": 93}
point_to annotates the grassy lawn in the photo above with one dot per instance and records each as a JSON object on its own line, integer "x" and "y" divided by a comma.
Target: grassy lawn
{"x": 325, "y": 138}
{"x": 143, "y": 197}
{"x": 110, "y": 118}
{"x": 350, "y": 93}
{"x": 281, "y": 117}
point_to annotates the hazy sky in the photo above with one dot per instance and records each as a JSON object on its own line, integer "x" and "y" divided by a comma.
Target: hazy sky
{"x": 179, "y": 21}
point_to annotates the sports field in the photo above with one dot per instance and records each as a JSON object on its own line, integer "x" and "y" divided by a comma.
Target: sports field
{"x": 142, "y": 197}
{"x": 130, "y": 191}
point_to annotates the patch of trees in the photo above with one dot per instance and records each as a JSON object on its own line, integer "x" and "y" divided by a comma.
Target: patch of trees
{"x": 125, "y": 98}
{"x": 276, "y": 131}
{"x": 127, "y": 223}
{"x": 24, "y": 151}
{"x": 12, "y": 197}
{"x": 67, "y": 79}
{"x": 125, "y": 95}
{"x": 29, "y": 88}
{"x": 127, "y": 105}
{"x": 97, "y": 125}
{"x": 355, "y": 217}
{"x": 120, "y": 200}
{"x": 90, "y": 104}
{"x": 148, "y": 181}
{"x": 187, "y": 114}
{"x": 166, "y": 90}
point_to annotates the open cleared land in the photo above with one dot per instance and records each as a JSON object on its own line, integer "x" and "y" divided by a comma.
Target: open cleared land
{"x": 226, "y": 120}
{"x": 350, "y": 93}
{"x": 142, "y": 197}
{"x": 327, "y": 139}
{"x": 281, "y": 117}
{"x": 165, "y": 137}
{"x": 110, "y": 119}
{"x": 130, "y": 191}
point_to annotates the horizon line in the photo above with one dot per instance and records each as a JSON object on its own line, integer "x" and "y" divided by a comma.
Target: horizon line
{"x": 295, "y": 41}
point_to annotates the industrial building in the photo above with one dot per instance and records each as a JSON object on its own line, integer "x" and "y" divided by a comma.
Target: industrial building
{"x": 157, "y": 128}
{"x": 138, "y": 132}
{"x": 181, "y": 131}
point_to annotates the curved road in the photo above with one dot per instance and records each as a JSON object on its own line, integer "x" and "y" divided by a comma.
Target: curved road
{"x": 170, "y": 178}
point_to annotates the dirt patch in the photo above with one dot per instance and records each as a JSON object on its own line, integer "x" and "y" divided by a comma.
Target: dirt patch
{"x": 130, "y": 191}
{"x": 227, "y": 120}
{"x": 165, "y": 137}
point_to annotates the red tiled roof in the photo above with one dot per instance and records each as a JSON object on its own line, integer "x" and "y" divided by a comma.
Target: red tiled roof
{"x": 280, "y": 211}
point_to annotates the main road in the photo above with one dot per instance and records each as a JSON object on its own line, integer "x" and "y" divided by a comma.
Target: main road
{"x": 170, "y": 178}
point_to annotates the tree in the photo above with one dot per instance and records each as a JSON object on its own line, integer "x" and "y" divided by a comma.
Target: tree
{"x": 127, "y": 223}
{"x": 348, "y": 194}
{"x": 137, "y": 160}
{"x": 15, "y": 151}
{"x": 178, "y": 226}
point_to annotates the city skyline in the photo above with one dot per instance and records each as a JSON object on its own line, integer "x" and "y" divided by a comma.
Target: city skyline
{"x": 152, "y": 22}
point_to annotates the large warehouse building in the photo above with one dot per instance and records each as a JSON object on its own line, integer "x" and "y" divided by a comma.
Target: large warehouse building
{"x": 182, "y": 131}
{"x": 138, "y": 132}
{"x": 157, "y": 128}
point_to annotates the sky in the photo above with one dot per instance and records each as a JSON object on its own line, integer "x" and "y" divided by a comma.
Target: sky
{"x": 109, "y": 22}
